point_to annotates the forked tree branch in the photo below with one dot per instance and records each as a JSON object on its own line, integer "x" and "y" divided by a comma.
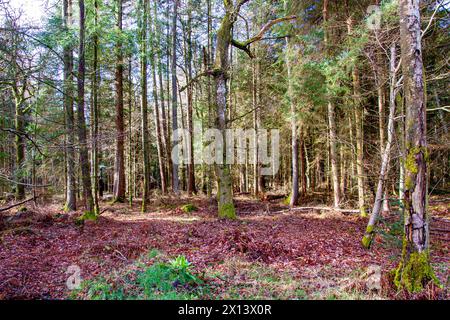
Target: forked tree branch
{"x": 259, "y": 36}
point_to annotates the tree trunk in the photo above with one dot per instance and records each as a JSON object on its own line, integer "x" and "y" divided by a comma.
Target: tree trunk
{"x": 226, "y": 207}
{"x": 359, "y": 123}
{"x": 94, "y": 115}
{"x": 119, "y": 160}
{"x": 71, "y": 199}
{"x": 158, "y": 129}
{"x": 164, "y": 129}
{"x": 130, "y": 135}
{"x": 175, "y": 179}
{"x": 302, "y": 160}
{"x": 294, "y": 139}
{"x": 332, "y": 128}
{"x": 84, "y": 158}
{"x": 367, "y": 239}
{"x": 20, "y": 125}
{"x": 190, "y": 166}
{"x": 144, "y": 120}
{"x": 255, "y": 127}
{"x": 414, "y": 270}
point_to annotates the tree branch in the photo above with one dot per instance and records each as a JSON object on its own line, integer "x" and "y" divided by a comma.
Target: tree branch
{"x": 259, "y": 36}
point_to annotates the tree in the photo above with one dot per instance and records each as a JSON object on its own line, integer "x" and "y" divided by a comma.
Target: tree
{"x": 119, "y": 162}
{"x": 95, "y": 108}
{"x": 82, "y": 136}
{"x": 414, "y": 270}
{"x": 293, "y": 200}
{"x": 175, "y": 179}
{"x": 158, "y": 127}
{"x": 359, "y": 123}
{"x": 367, "y": 239}
{"x": 332, "y": 136}
{"x": 68, "y": 107}
{"x": 221, "y": 66}
{"x": 144, "y": 102}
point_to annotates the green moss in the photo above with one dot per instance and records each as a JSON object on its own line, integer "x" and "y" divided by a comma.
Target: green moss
{"x": 66, "y": 208}
{"x": 227, "y": 211}
{"x": 363, "y": 212}
{"x": 367, "y": 239}
{"x": 189, "y": 208}
{"x": 410, "y": 162}
{"x": 414, "y": 273}
{"x": 408, "y": 183}
{"x": 87, "y": 215}
{"x": 287, "y": 200}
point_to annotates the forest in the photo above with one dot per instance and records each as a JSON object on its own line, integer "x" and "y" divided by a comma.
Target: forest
{"x": 224, "y": 149}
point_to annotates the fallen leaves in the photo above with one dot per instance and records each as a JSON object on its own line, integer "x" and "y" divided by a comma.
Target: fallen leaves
{"x": 33, "y": 265}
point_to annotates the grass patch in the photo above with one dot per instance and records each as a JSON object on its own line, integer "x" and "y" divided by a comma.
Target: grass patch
{"x": 150, "y": 278}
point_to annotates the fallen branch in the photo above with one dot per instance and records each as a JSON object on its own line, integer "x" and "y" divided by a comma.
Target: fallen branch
{"x": 317, "y": 209}
{"x": 17, "y": 204}
{"x": 324, "y": 209}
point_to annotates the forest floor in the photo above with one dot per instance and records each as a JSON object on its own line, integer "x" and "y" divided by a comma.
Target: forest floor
{"x": 269, "y": 252}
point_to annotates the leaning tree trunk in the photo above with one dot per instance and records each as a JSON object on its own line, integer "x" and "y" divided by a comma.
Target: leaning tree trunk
{"x": 82, "y": 135}
{"x": 367, "y": 239}
{"x": 414, "y": 270}
{"x": 119, "y": 160}
{"x": 379, "y": 75}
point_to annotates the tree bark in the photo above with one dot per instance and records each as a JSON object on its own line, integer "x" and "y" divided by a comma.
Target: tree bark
{"x": 414, "y": 270}
{"x": 71, "y": 199}
{"x": 359, "y": 123}
{"x": 332, "y": 127}
{"x": 158, "y": 129}
{"x": 294, "y": 138}
{"x": 84, "y": 158}
{"x": 94, "y": 114}
{"x": 175, "y": 178}
{"x": 119, "y": 160}
{"x": 367, "y": 239}
{"x": 190, "y": 166}
{"x": 144, "y": 104}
